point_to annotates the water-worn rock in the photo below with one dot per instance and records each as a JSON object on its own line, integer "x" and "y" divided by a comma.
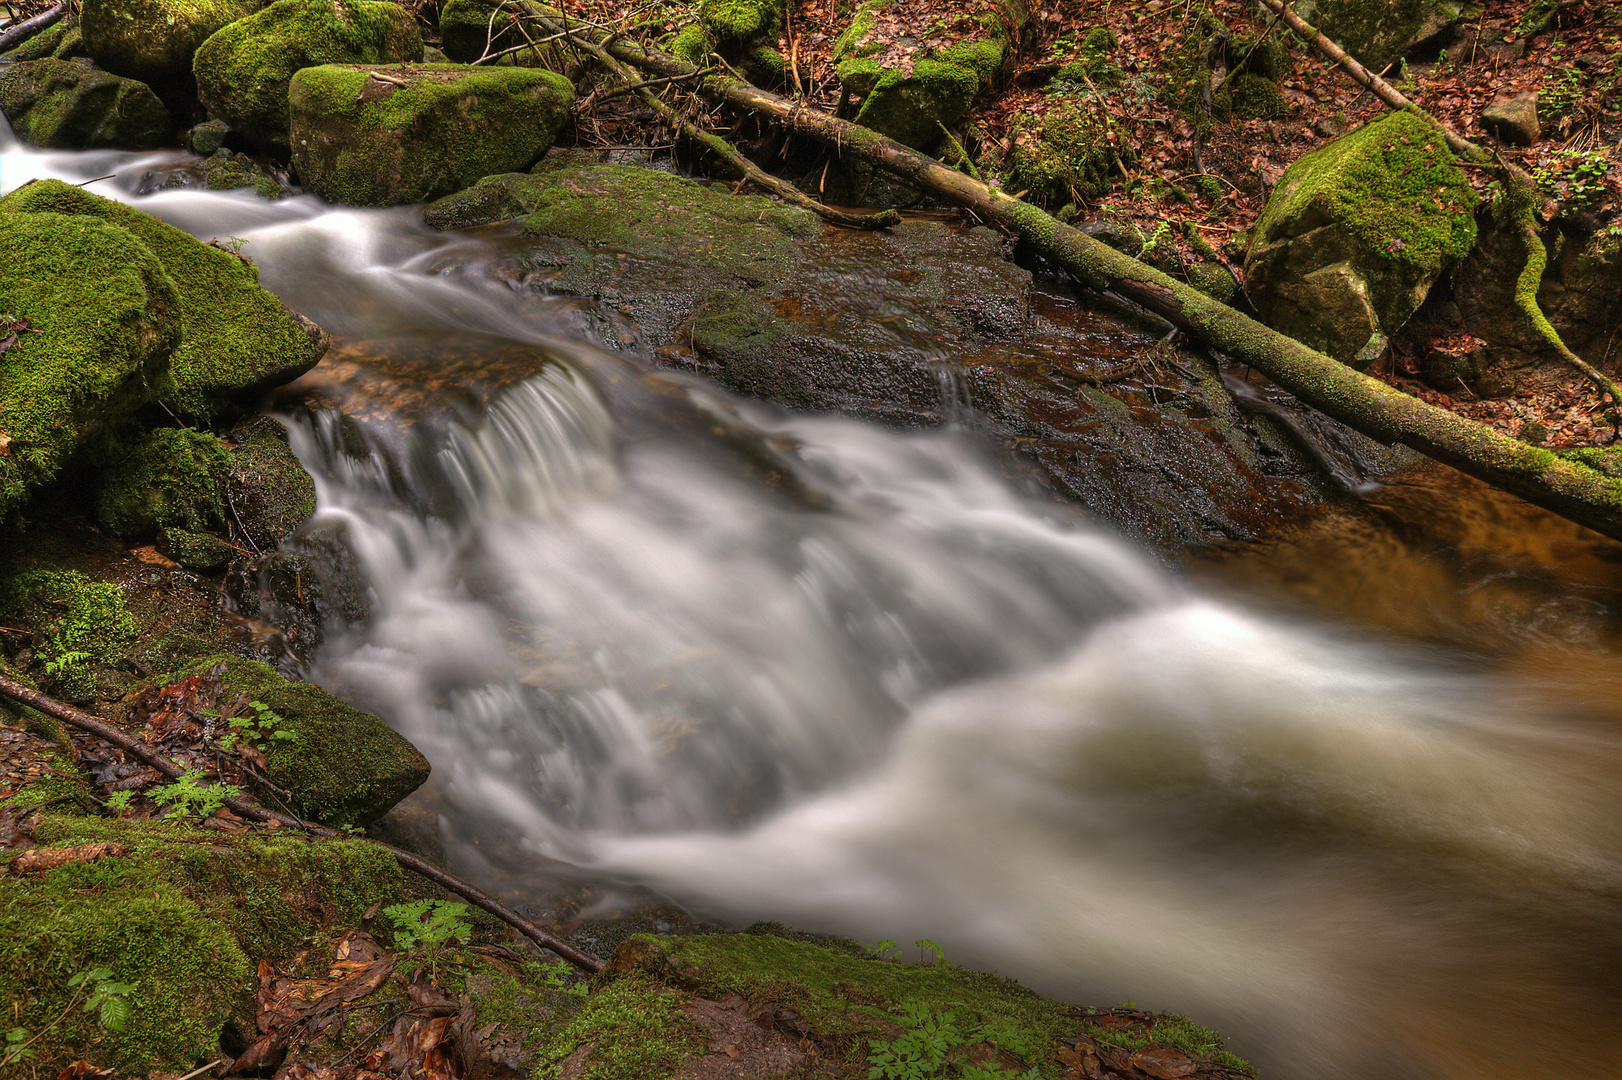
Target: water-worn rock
{"x": 97, "y": 318}
{"x": 1354, "y": 235}
{"x": 243, "y": 71}
{"x": 236, "y": 340}
{"x": 909, "y": 97}
{"x": 154, "y": 40}
{"x": 369, "y": 136}
{"x": 71, "y": 106}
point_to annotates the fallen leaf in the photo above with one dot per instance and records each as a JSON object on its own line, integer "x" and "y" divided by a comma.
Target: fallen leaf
{"x": 39, "y": 860}
{"x": 1163, "y": 1062}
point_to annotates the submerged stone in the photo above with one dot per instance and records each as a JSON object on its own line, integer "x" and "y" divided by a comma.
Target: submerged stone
{"x": 65, "y": 105}
{"x": 154, "y": 40}
{"x": 236, "y": 340}
{"x": 1355, "y": 233}
{"x": 243, "y": 71}
{"x": 369, "y": 136}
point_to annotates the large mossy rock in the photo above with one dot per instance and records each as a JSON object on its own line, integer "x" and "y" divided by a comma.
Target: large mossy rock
{"x": 244, "y": 70}
{"x": 1355, "y": 234}
{"x": 369, "y": 137}
{"x": 172, "y": 479}
{"x": 96, "y": 317}
{"x": 342, "y": 766}
{"x": 1062, "y": 152}
{"x": 64, "y": 105}
{"x": 270, "y": 493}
{"x": 236, "y": 341}
{"x": 1380, "y": 32}
{"x": 467, "y": 30}
{"x": 181, "y": 915}
{"x": 154, "y": 40}
{"x": 910, "y": 92}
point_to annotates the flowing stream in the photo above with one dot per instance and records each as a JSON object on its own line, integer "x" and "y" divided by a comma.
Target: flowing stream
{"x": 802, "y": 668}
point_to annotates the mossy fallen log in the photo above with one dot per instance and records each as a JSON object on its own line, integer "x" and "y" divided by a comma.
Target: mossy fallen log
{"x": 1565, "y": 485}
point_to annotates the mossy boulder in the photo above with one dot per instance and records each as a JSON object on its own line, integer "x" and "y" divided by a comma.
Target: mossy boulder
{"x": 467, "y": 30}
{"x": 97, "y": 318}
{"x": 910, "y": 93}
{"x": 1356, "y": 232}
{"x": 79, "y": 627}
{"x": 635, "y": 211}
{"x": 62, "y": 40}
{"x": 64, "y": 105}
{"x": 270, "y": 493}
{"x": 225, "y": 171}
{"x": 181, "y": 915}
{"x": 738, "y": 23}
{"x": 1257, "y": 98}
{"x": 172, "y": 478}
{"x": 154, "y": 40}
{"x": 235, "y": 339}
{"x": 343, "y": 766}
{"x": 1380, "y": 32}
{"x": 365, "y": 136}
{"x": 244, "y": 70}
{"x": 1062, "y": 152}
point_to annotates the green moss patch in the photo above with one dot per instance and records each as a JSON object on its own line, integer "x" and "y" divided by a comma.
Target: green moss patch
{"x": 153, "y": 40}
{"x": 380, "y": 137}
{"x": 244, "y": 70}
{"x": 344, "y": 766}
{"x": 1062, "y": 152}
{"x": 236, "y": 341}
{"x": 173, "y": 478}
{"x": 97, "y": 319}
{"x": 181, "y": 916}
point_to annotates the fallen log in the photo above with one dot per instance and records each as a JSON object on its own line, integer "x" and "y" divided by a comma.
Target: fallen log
{"x": 247, "y": 809}
{"x": 1563, "y": 485}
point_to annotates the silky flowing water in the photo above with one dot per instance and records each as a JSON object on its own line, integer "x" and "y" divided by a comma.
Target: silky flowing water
{"x": 1351, "y": 797}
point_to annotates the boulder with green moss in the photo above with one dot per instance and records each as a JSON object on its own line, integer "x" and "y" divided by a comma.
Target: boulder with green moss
{"x": 1257, "y": 98}
{"x": 342, "y": 766}
{"x": 365, "y": 136}
{"x": 154, "y": 40}
{"x": 244, "y": 70}
{"x": 1062, "y": 152}
{"x": 173, "y": 478}
{"x": 96, "y": 318}
{"x": 79, "y": 627}
{"x": 177, "y": 915}
{"x": 1380, "y": 32}
{"x": 911, "y": 90}
{"x": 64, "y": 105}
{"x": 270, "y": 493}
{"x": 235, "y": 340}
{"x": 470, "y": 28}
{"x": 1356, "y": 232}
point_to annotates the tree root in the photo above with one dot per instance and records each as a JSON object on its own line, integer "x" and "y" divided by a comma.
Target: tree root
{"x": 244, "y": 808}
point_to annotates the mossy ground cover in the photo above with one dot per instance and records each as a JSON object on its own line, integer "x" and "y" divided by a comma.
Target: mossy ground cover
{"x": 181, "y": 915}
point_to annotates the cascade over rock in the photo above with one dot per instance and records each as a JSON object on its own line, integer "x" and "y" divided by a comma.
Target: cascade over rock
{"x": 63, "y": 105}
{"x": 234, "y": 340}
{"x": 154, "y": 40}
{"x": 1354, "y": 235}
{"x": 370, "y": 136}
{"x": 243, "y": 71}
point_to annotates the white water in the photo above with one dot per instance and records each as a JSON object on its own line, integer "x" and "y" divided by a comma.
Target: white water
{"x": 921, "y": 705}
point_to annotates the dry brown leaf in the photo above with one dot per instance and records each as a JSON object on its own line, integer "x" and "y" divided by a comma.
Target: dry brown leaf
{"x": 39, "y": 860}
